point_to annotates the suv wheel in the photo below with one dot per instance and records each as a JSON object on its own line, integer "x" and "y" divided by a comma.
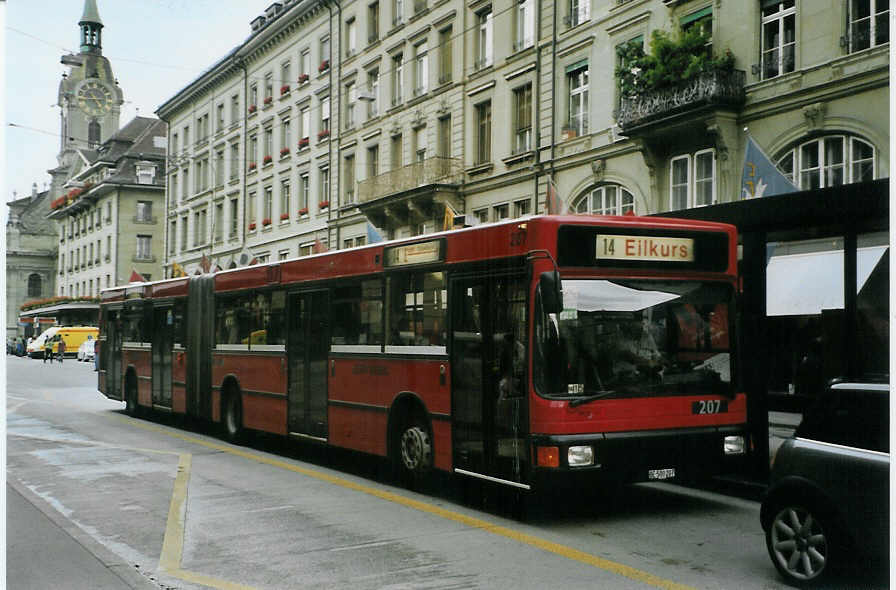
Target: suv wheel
{"x": 799, "y": 542}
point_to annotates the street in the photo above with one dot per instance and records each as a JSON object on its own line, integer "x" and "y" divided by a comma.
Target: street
{"x": 183, "y": 509}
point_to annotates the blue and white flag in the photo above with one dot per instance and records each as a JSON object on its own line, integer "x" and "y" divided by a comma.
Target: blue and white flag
{"x": 761, "y": 178}
{"x": 373, "y": 236}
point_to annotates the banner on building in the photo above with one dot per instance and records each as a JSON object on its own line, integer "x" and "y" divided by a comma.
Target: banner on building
{"x": 761, "y": 178}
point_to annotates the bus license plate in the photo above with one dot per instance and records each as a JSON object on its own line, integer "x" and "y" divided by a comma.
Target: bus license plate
{"x": 709, "y": 406}
{"x": 660, "y": 473}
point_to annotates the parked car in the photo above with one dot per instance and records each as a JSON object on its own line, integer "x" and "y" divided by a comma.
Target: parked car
{"x": 828, "y": 500}
{"x": 86, "y": 350}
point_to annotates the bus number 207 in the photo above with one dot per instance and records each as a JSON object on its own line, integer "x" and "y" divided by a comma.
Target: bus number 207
{"x": 709, "y": 406}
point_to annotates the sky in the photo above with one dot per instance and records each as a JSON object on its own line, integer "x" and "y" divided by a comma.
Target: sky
{"x": 156, "y": 47}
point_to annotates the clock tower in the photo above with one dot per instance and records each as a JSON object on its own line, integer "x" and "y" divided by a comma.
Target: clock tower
{"x": 89, "y": 96}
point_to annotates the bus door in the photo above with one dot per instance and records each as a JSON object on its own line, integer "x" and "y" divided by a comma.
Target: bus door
{"x": 112, "y": 354}
{"x": 308, "y": 345}
{"x": 488, "y": 363}
{"x": 162, "y": 343}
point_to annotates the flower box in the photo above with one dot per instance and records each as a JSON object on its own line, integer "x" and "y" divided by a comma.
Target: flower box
{"x": 284, "y": 151}
{"x": 323, "y": 65}
{"x": 266, "y": 221}
{"x": 284, "y": 89}
{"x": 252, "y": 166}
{"x": 323, "y": 134}
{"x": 267, "y": 160}
{"x": 303, "y": 211}
{"x": 303, "y": 143}
{"x": 252, "y": 226}
{"x": 268, "y": 100}
{"x": 323, "y": 204}
{"x": 284, "y": 216}
{"x": 303, "y": 78}
{"x": 252, "y": 108}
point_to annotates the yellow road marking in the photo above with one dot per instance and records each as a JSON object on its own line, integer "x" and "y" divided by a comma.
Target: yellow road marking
{"x": 173, "y": 544}
{"x": 470, "y": 521}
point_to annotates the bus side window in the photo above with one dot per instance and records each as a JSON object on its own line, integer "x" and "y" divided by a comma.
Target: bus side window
{"x": 417, "y": 309}
{"x": 232, "y": 320}
{"x": 356, "y": 309}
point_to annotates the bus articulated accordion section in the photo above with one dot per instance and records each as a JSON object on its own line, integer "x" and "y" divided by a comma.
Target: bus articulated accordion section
{"x": 523, "y": 352}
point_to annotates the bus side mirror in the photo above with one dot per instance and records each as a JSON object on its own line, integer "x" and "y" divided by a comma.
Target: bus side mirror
{"x": 551, "y": 292}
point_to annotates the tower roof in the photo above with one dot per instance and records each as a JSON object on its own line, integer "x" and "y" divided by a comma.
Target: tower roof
{"x": 91, "y": 14}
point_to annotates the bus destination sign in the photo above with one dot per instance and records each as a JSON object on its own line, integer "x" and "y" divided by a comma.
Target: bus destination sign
{"x": 419, "y": 253}
{"x": 649, "y": 248}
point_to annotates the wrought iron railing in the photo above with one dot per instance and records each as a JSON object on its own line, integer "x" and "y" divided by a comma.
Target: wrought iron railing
{"x": 435, "y": 170}
{"x": 710, "y": 88}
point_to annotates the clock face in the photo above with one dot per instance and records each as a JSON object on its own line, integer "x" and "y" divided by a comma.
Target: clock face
{"x": 94, "y": 98}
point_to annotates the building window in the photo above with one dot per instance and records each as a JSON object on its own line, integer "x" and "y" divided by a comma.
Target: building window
{"x": 304, "y": 193}
{"x": 349, "y": 166}
{"x": 444, "y": 137}
{"x": 234, "y": 108}
{"x": 218, "y": 222}
{"x": 253, "y": 97}
{"x": 324, "y": 197}
{"x": 577, "y": 80}
{"x": 144, "y": 211}
{"x": 172, "y": 237}
{"x": 351, "y": 98}
{"x": 253, "y": 151}
{"x": 373, "y": 88}
{"x": 500, "y": 212}
{"x": 397, "y": 12}
{"x": 268, "y": 205}
{"x": 305, "y": 64}
{"x": 234, "y": 161}
{"x": 351, "y": 35}
{"x": 283, "y": 255}
{"x": 285, "y": 136}
{"x": 173, "y": 188}
{"x": 522, "y": 207}
{"x": 484, "y": 48}
{"x": 183, "y": 232}
{"x": 185, "y": 184}
{"x": 692, "y": 180}
{"x": 579, "y": 11}
{"x": 420, "y": 144}
{"x": 197, "y": 234}
{"x": 186, "y": 135}
{"x": 522, "y": 108}
{"x": 284, "y": 200}
{"x": 829, "y": 161}
{"x": 484, "y": 132}
{"x": 868, "y": 23}
{"x": 144, "y": 247}
{"x": 324, "y": 54}
{"x": 778, "y": 38}
{"x": 219, "y": 168}
{"x": 373, "y": 22}
{"x": 445, "y": 56}
{"x": 285, "y": 77}
{"x": 253, "y": 210}
{"x": 397, "y": 159}
{"x": 35, "y": 286}
{"x": 220, "y": 121}
{"x": 525, "y": 25}
{"x": 609, "y": 199}
{"x": 373, "y": 161}
{"x": 268, "y": 145}
{"x": 203, "y": 226}
{"x": 421, "y": 69}
{"x": 305, "y": 129}
{"x": 93, "y": 134}
{"x": 397, "y": 75}
{"x": 268, "y": 88}
{"x": 234, "y": 217}
{"x": 481, "y": 215}
{"x": 325, "y": 116}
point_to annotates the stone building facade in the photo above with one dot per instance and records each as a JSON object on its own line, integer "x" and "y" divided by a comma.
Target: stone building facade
{"x": 330, "y": 118}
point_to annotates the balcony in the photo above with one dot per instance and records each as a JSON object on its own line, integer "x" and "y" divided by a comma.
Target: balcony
{"x": 645, "y": 114}
{"x": 436, "y": 170}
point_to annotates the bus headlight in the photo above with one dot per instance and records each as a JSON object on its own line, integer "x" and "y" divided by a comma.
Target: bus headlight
{"x": 734, "y": 445}
{"x": 580, "y": 456}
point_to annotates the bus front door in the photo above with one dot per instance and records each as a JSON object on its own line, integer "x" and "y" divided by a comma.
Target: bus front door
{"x": 308, "y": 346}
{"x": 162, "y": 341}
{"x": 488, "y": 361}
{"x": 112, "y": 355}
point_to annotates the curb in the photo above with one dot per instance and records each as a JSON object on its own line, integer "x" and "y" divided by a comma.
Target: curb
{"x": 126, "y": 572}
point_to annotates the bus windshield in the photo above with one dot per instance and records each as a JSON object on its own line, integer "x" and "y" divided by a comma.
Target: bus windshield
{"x": 628, "y": 338}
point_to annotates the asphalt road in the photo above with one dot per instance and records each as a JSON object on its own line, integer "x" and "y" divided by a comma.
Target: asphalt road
{"x": 149, "y": 502}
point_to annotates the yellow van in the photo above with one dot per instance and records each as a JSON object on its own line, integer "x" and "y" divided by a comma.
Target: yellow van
{"x": 74, "y": 336}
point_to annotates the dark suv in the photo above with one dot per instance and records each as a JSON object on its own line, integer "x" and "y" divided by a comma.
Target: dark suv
{"x": 828, "y": 502}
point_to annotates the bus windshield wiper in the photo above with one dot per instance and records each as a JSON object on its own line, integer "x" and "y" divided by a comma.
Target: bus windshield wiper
{"x": 590, "y": 398}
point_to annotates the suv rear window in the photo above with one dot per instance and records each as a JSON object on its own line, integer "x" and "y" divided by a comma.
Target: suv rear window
{"x": 851, "y": 417}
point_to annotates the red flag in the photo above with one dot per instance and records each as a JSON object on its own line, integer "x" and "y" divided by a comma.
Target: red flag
{"x": 318, "y": 247}
{"x": 136, "y": 277}
{"x": 553, "y": 203}
{"x": 205, "y": 264}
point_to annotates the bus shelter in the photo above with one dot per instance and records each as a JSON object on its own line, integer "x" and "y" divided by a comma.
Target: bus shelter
{"x": 815, "y": 294}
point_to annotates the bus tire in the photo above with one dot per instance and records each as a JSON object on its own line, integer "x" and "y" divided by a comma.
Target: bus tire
{"x": 413, "y": 450}
{"x": 130, "y": 395}
{"x": 232, "y": 418}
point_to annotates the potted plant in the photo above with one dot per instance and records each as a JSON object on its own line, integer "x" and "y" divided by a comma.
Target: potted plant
{"x": 252, "y": 226}
{"x": 323, "y": 133}
{"x": 268, "y": 100}
{"x": 303, "y": 211}
{"x": 323, "y": 204}
{"x": 266, "y": 221}
{"x": 303, "y": 143}
{"x": 303, "y": 78}
{"x": 284, "y": 89}
{"x": 252, "y": 108}
{"x": 252, "y": 166}
{"x": 284, "y": 216}
{"x": 284, "y": 151}
{"x": 267, "y": 160}
{"x": 323, "y": 66}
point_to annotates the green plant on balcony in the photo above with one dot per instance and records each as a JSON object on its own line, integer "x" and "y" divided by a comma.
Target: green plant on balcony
{"x": 670, "y": 63}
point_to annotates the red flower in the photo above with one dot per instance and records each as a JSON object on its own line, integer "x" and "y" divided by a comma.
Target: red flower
{"x": 303, "y": 78}
{"x": 267, "y": 160}
{"x": 284, "y": 151}
{"x": 323, "y": 204}
{"x": 323, "y": 65}
{"x": 266, "y": 221}
{"x": 284, "y": 216}
{"x": 284, "y": 89}
{"x": 268, "y": 100}
{"x": 303, "y": 211}
{"x": 252, "y": 165}
{"x": 252, "y": 226}
{"x": 323, "y": 133}
{"x": 303, "y": 142}
{"x": 252, "y": 108}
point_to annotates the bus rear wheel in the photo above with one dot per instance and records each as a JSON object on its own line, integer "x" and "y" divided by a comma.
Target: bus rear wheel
{"x": 233, "y": 418}
{"x": 414, "y": 457}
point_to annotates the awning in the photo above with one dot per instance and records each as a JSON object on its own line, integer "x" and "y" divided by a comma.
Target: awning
{"x": 805, "y": 284}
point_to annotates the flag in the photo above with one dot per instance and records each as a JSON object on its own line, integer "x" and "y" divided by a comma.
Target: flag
{"x": 761, "y": 177}
{"x": 450, "y": 214}
{"x": 136, "y": 277}
{"x": 205, "y": 264}
{"x": 373, "y": 236}
{"x": 177, "y": 271}
{"x": 553, "y": 203}
{"x": 318, "y": 247}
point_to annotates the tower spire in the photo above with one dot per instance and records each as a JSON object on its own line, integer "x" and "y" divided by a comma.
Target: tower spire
{"x": 91, "y": 28}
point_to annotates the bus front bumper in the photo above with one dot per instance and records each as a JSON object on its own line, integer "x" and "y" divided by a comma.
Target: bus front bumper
{"x": 682, "y": 454}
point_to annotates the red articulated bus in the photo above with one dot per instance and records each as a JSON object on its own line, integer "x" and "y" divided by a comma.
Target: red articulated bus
{"x": 519, "y": 352}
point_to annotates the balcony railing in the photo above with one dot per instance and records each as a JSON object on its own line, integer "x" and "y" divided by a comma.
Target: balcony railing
{"x": 435, "y": 170}
{"x": 716, "y": 88}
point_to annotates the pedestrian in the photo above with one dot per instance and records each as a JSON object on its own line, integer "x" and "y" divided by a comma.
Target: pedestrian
{"x": 48, "y": 350}
{"x": 61, "y": 348}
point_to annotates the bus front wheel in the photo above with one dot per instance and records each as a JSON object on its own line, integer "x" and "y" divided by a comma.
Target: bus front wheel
{"x": 233, "y": 417}
{"x": 415, "y": 456}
